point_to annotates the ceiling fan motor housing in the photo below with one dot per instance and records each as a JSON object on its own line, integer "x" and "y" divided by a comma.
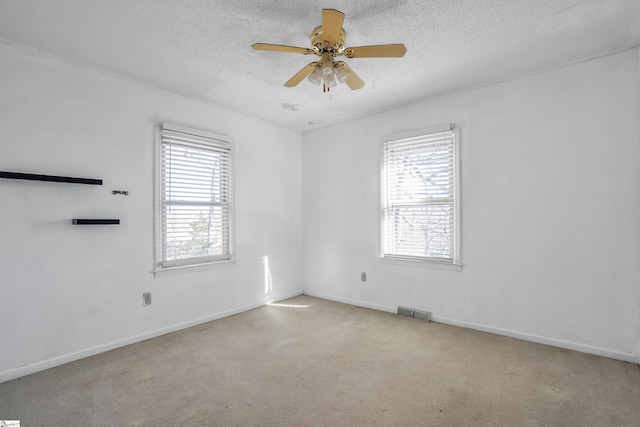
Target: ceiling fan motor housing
{"x": 321, "y": 46}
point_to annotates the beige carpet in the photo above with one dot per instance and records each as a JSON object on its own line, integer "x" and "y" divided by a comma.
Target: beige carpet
{"x": 311, "y": 362}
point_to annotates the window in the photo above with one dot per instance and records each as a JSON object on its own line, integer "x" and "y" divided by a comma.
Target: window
{"x": 194, "y": 209}
{"x": 420, "y": 197}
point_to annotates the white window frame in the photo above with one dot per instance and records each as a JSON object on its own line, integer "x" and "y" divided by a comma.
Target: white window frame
{"x": 453, "y": 263}
{"x": 163, "y": 266}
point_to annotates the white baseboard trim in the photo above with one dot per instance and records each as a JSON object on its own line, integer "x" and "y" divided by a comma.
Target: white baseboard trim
{"x": 71, "y": 357}
{"x": 284, "y": 297}
{"x": 351, "y": 301}
{"x": 569, "y": 345}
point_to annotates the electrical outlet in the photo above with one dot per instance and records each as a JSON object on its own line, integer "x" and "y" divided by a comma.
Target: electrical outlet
{"x": 363, "y": 277}
{"x": 146, "y": 298}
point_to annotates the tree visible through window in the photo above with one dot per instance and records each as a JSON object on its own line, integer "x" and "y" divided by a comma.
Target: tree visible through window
{"x": 195, "y": 198}
{"x": 420, "y": 198}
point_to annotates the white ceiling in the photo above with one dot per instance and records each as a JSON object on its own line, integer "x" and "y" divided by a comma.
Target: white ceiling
{"x": 202, "y": 48}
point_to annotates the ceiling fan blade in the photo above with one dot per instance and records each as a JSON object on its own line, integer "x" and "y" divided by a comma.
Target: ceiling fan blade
{"x": 300, "y": 75}
{"x": 376, "y": 51}
{"x": 281, "y": 48}
{"x": 332, "y": 25}
{"x": 353, "y": 81}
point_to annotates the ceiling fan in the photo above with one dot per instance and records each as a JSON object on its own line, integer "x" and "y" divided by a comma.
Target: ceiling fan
{"x": 327, "y": 41}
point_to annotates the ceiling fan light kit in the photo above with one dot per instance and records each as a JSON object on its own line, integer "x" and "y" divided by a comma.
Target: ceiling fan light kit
{"x": 328, "y": 42}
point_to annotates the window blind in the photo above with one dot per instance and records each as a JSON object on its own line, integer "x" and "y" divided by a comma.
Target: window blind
{"x": 419, "y": 198}
{"x": 195, "y": 198}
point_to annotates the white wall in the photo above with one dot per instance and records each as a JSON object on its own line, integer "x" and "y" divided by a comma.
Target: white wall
{"x": 550, "y": 209}
{"x": 68, "y": 291}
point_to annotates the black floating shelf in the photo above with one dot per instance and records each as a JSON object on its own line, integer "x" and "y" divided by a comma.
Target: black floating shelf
{"x": 81, "y": 221}
{"x": 51, "y": 178}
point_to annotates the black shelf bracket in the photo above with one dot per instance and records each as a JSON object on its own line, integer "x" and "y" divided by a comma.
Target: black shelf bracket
{"x": 84, "y": 221}
{"x": 50, "y": 178}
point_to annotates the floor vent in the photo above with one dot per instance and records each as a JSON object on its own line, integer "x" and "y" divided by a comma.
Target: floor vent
{"x": 412, "y": 313}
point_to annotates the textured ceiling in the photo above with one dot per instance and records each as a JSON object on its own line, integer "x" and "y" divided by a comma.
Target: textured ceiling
{"x": 202, "y": 48}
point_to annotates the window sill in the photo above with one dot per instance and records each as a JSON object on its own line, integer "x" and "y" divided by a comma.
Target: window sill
{"x": 172, "y": 271}
{"x": 422, "y": 263}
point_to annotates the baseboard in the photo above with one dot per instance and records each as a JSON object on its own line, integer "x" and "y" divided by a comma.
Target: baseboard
{"x": 284, "y": 297}
{"x": 71, "y": 357}
{"x": 351, "y": 301}
{"x": 569, "y": 345}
